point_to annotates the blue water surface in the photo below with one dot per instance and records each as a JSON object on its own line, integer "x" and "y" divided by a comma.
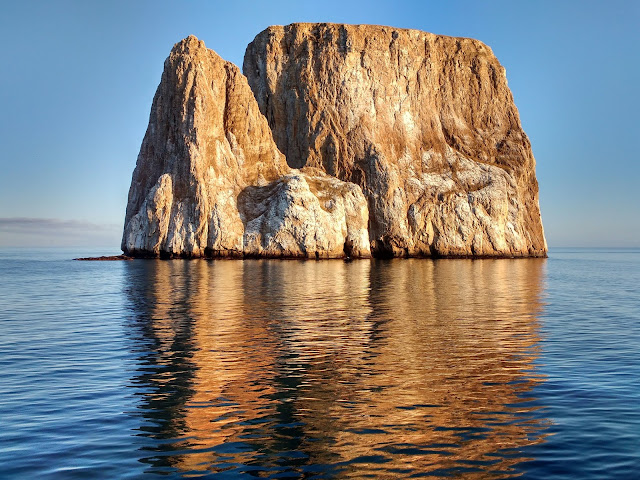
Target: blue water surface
{"x": 472, "y": 369}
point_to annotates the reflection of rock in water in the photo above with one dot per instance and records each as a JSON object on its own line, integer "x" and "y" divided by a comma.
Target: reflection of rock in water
{"x": 164, "y": 339}
{"x": 259, "y": 332}
{"x": 449, "y": 369}
{"x": 404, "y": 365}
{"x": 235, "y": 360}
{"x": 224, "y": 379}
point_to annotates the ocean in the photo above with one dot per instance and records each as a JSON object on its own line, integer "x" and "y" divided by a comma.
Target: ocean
{"x": 473, "y": 369}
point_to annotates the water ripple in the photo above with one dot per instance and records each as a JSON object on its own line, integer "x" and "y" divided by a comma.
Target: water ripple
{"x": 368, "y": 369}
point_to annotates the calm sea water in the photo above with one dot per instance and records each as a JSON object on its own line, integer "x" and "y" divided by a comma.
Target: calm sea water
{"x": 285, "y": 369}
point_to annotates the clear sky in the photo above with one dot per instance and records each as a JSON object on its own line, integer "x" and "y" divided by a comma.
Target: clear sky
{"x": 78, "y": 77}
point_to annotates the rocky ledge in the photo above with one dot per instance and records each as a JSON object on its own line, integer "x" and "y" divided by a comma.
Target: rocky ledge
{"x": 338, "y": 141}
{"x": 111, "y": 258}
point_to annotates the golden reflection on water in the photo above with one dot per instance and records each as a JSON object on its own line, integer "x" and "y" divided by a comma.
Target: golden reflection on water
{"x": 385, "y": 368}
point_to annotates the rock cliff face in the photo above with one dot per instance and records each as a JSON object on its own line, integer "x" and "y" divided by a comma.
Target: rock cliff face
{"x": 396, "y": 142}
{"x": 425, "y": 124}
{"x": 210, "y": 180}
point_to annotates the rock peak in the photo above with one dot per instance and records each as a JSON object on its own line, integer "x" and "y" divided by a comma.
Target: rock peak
{"x": 190, "y": 44}
{"x": 362, "y": 29}
{"x": 210, "y": 181}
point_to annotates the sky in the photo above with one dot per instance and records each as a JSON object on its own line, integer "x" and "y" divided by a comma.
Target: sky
{"x": 78, "y": 79}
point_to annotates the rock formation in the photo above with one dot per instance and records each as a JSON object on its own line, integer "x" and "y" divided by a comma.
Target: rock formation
{"x": 425, "y": 124}
{"x": 396, "y": 142}
{"x": 210, "y": 181}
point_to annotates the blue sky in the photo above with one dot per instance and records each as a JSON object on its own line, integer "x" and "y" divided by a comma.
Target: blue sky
{"x": 78, "y": 79}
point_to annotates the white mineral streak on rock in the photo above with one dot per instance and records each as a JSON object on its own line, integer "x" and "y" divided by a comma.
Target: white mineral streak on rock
{"x": 210, "y": 180}
{"x": 425, "y": 124}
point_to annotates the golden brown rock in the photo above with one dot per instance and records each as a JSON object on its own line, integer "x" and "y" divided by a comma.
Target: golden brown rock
{"x": 425, "y": 124}
{"x": 210, "y": 181}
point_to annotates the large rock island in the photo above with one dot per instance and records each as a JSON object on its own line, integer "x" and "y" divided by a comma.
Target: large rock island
{"x": 394, "y": 143}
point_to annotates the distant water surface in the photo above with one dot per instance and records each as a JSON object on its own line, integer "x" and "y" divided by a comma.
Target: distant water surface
{"x": 469, "y": 369}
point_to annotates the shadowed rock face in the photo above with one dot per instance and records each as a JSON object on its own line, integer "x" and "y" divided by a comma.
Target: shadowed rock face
{"x": 397, "y": 142}
{"x": 207, "y": 147}
{"x": 425, "y": 124}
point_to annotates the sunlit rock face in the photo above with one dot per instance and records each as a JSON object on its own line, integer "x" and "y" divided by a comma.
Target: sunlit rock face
{"x": 425, "y": 124}
{"x": 363, "y": 140}
{"x": 210, "y": 180}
